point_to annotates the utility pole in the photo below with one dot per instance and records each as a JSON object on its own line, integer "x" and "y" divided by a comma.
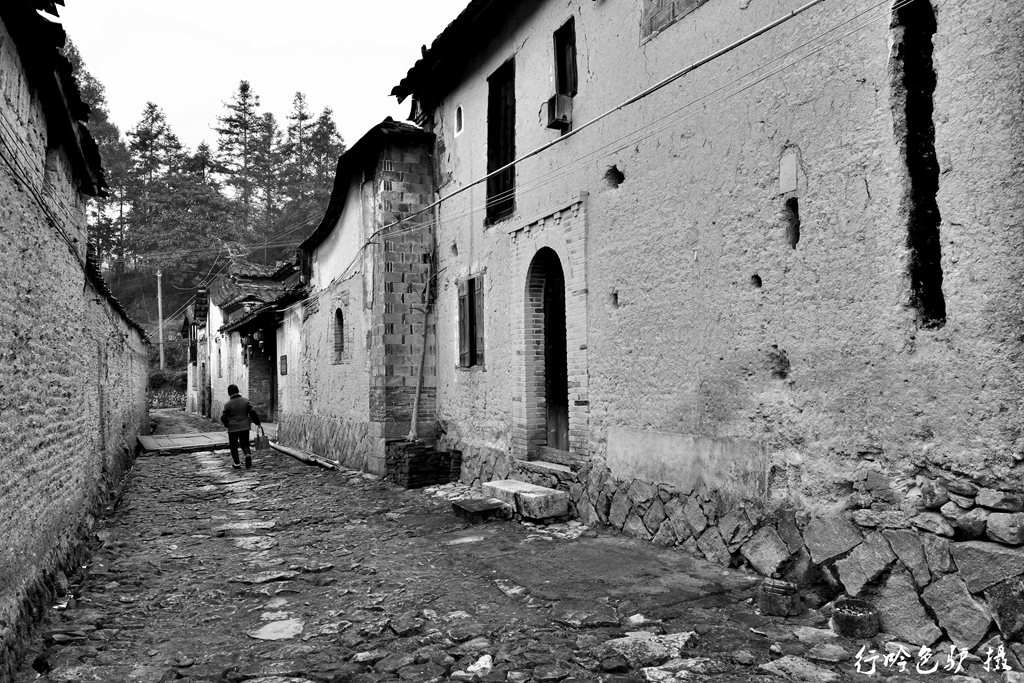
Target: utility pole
{"x": 160, "y": 316}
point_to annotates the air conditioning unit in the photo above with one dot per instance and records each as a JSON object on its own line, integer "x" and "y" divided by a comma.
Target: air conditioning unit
{"x": 560, "y": 112}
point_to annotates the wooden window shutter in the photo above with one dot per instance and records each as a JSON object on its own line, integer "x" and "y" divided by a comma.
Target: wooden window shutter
{"x": 464, "y": 359}
{"x": 478, "y": 318}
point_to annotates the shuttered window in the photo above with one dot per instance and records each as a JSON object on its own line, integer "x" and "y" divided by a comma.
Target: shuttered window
{"x": 501, "y": 142}
{"x": 471, "y": 322}
{"x": 565, "y": 59}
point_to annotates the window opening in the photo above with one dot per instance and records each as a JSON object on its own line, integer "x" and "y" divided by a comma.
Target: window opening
{"x": 565, "y": 59}
{"x": 458, "y": 119}
{"x": 792, "y": 217}
{"x": 471, "y": 322}
{"x": 339, "y": 335}
{"x": 501, "y": 143}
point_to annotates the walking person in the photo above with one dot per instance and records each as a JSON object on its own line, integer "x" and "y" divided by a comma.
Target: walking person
{"x": 238, "y": 417}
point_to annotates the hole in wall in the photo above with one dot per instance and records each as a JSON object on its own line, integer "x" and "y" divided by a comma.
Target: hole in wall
{"x": 613, "y": 299}
{"x": 791, "y": 218}
{"x": 755, "y": 281}
{"x": 778, "y": 362}
{"x": 914, "y": 81}
{"x": 455, "y": 249}
{"x": 614, "y": 177}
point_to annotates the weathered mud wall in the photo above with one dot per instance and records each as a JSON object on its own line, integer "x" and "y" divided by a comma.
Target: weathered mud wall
{"x": 796, "y": 280}
{"x": 73, "y": 371}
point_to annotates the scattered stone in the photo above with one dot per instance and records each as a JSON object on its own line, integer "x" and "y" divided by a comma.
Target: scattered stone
{"x": 255, "y": 542}
{"x": 1006, "y": 601}
{"x": 584, "y": 614}
{"x": 550, "y": 672}
{"x": 743, "y": 658}
{"x": 796, "y": 668}
{"x": 828, "y": 652}
{"x": 278, "y": 630}
{"x": 814, "y": 636}
{"x": 470, "y": 647}
{"x": 766, "y": 551}
{"x": 393, "y": 662}
{"x": 908, "y": 548}
{"x": 369, "y": 656}
{"x": 901, "y": 613}
{"x": 641, "y": 648}
{"x": 615, "y": 663}
{"x": 1006, "y": 527}
{"x": 827, "y": 537}
{"x": 464, "y": 630}
{"x": 265, "y": 577}
{"x": 933, "y": 522}
{"x": 866, "y": 563}
{"x": 1000, "y": 500}
{"x": 965, "y": 619}
{"x": 984, "y": 564}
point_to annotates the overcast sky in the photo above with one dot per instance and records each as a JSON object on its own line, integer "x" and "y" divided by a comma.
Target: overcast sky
{"x": 189, "y": 55}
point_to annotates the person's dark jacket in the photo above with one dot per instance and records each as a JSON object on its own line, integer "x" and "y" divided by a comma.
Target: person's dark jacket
{"x": 238, "y": 415}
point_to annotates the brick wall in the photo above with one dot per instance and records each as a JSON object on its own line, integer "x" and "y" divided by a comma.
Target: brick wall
{"x": 402, "y": 265}
{"x": 73, "y": 370}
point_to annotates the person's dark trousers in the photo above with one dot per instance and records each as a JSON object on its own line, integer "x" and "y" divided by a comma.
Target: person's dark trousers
{"x": 236, "y": 439}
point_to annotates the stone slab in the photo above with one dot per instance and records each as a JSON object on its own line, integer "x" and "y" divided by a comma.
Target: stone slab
{"x": 965, "y": 619}
{"x": 827, "y": 537}
{"x": 735, "y": 467}
{"x": 766, "y": 551}
{"x": 984, "y": 564}
{"x": 478, "y": 510}
{"x": 866, "y": 563}
{"x": 529, "y": 500}
{"x": 901, "y": 613}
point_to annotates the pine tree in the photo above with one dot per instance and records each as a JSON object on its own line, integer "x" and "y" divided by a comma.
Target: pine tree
{"x": 325, "y": 146}
{"x": 155, "y": 153}
{"x": 267, "y": 163}
{"x": 296, "y": 150}
{"x": 237, "y": 131}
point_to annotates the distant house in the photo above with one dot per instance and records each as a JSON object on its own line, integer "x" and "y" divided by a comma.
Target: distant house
{"x": 351, "y": 354}
{"x": 74, "y": 365}
{"x": 195, "y": 330}
{"x": 702, "y": 286}
{"x": 240, "y": 334}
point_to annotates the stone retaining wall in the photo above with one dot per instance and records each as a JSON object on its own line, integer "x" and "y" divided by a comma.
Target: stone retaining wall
{"x": 940, "y": 559}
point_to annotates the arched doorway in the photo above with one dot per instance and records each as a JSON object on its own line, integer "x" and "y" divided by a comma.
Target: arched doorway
{"x": 546, "y": 354}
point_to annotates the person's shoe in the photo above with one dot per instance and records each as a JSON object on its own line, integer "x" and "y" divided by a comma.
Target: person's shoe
{"x": 236, "y": 466}
{"x": 248, "y": 462}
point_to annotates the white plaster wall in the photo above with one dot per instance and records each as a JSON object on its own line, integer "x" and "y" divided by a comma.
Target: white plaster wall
{"x": 692, "y": 346}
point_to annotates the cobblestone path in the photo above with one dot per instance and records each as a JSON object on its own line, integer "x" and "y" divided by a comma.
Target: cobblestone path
{"x": 292, "y": 573}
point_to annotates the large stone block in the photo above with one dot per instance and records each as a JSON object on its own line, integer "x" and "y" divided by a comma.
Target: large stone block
{"x": 970, "y": 523}
{"x": 676, "y": 518}
{"x": 712, "y": 546}
{"x": 766, "y": 551}
{"x": 984, "y": 564}
{"x": 908, "y": 548}
{"x": 933, "y": 522}
{"x": 1006, "y": 527}
{"x": 695, "y": 516}
{"x": 619, "y": 510}
{"x": 827, "y": 537}
{"x": 529, "y": 500}
{"x": 965, "y": 619}
{"x": 866, "y": 563}
{"x": 901, "y": 613}
{"x": 654, "y": 516}
{"x": 936, "y": 550}
{"x": 1000, "y": 500}
{"x": 1006, "y": 602}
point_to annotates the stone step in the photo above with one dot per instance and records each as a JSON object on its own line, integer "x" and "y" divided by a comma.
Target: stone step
{"x": 476, "y": 510}
{"x": 529, "y": 500}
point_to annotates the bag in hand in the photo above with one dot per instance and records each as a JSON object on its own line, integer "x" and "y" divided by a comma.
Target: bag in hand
{"x": 262, "y": 441}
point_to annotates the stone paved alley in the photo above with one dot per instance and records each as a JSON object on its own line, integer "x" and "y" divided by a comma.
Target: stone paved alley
{"x": 293, "y": 573}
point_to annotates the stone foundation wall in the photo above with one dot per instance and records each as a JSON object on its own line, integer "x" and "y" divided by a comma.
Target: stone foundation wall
{"x": 940, "y": 557}
{"x": 348, "y": 441}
